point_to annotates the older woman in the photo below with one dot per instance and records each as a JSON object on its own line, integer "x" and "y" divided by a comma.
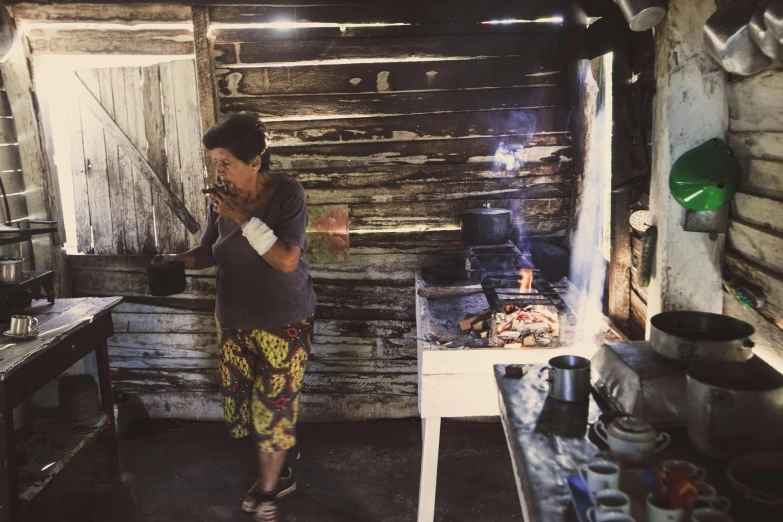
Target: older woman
{"x": 255, "y": 234}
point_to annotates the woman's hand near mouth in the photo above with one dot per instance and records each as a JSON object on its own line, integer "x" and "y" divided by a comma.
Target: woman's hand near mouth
{"x": 229, "y": 205}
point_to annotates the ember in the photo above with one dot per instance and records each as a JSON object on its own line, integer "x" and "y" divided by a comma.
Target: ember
{"x": 532, "y": 325}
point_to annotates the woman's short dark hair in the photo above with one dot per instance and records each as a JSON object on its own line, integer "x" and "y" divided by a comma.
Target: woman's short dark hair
{"x": 243, "y": 134}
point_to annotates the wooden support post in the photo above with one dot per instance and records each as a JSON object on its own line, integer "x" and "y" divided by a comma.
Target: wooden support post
{"x": 107, "y": 405}
{"x": 205, "y": 76}
{"x": 690, "y": 107}
{"x": 619, "y": 270}
{"x": 430, "y": 430}
{"x": 9, "y": 486}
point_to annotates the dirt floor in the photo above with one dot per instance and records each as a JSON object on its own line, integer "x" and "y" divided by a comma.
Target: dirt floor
{"x": 357, "y": 472}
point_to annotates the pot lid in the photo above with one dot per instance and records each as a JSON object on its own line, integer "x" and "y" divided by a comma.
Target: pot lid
{"x": 632, "y": 429}
{"x": 488, "y": 211}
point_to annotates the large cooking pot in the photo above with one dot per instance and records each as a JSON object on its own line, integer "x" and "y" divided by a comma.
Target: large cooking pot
{"x": 166, "y": 277}
{"x": 485, "y": 226}
{"x": 691, "y": 337}
{"x": 735, "y": 408}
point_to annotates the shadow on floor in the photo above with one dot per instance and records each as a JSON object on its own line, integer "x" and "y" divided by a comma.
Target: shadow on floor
{"x": 348, "y": 472}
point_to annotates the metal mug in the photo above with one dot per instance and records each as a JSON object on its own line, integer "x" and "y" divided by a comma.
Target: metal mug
{"x": 569, "y": 378}
{"x": 22, "y": 325}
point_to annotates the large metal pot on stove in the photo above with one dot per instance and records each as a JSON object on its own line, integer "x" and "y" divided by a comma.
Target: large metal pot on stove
{"x": 692, "y": 337}
{"x": 485, "y": 226}
{"x": 735, "y": 408}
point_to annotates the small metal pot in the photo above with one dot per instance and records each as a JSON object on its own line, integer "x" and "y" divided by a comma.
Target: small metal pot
{"x": 11, "y": 271}
{"x": 692, "y": 337}
{"x": 485, "y": 226}
{"x": 735, "y": 408}
{"x": 166, "y": 278}
{"x": 642, "y": 14}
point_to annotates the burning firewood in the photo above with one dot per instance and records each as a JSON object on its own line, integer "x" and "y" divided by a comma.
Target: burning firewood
{"x": 467, "y": 323}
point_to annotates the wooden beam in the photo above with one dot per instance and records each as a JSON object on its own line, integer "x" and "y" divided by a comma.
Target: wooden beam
{"x": 619, "y": 270}
{"x": 390, "y": 11}
{"x": 123, "y": 14}
{"x": 104, "y": 41}
{"x": 160, "y": 188}
{"x": 205, "y": 76}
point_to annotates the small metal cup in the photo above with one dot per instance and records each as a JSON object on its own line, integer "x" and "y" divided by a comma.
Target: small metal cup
{"x": 22, "y": 325}
{"x": 569, "y": 378}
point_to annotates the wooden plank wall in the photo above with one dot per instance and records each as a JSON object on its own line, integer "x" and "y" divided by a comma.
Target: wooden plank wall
{"x": 10, "y": 165}
{"x": 117, "y": 212}
{"x": 402, "y": 123}
{"x": 754, "y": 249}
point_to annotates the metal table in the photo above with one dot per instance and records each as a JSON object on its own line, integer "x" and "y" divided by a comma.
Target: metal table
{"x": 70, "y": 329}
{"x": 548, "y": 442}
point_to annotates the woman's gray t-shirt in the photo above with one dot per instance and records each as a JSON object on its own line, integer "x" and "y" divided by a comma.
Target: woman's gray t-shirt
{"x": 251, "y": 295}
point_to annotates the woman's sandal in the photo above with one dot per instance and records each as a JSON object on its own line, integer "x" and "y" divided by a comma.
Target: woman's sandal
{"x": 286, "y": 485}
{"x": 261, "y": 505}
{"x": 266, "y": 511}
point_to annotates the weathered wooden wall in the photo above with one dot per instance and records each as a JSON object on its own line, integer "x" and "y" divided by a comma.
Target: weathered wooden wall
{"x": 10, "y": 164}
{"x": 754, "y": 246}
{"x": 402, "y": 123}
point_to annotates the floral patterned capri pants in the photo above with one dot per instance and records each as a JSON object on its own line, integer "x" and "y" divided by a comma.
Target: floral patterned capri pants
{"x": 261, "y": 375}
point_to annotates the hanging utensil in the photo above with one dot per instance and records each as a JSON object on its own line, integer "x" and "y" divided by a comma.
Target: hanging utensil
{"x": 642, "y": 14}
{"x": 727, "y": 39}
{"x": 773, "y": 18}
{"x": 767, "y": 41}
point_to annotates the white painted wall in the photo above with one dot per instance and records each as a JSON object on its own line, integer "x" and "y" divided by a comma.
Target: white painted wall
{"x": 690, "y": 107}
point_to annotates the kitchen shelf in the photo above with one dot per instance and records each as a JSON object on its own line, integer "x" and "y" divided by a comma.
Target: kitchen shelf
{"x": 50, "y": 227}
{"x": 30, "y": 279}
{"x": 47, "y": 445}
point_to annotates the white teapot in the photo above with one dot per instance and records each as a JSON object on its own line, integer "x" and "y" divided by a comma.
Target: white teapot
{"x": 631, "y": 439}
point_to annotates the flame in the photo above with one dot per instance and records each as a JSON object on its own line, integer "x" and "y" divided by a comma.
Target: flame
{"x": 525, "y": 280}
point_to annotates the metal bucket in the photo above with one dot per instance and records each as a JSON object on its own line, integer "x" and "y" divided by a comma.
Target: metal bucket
{"x": 735, "y": 408}
{"x": 692, "y": 337}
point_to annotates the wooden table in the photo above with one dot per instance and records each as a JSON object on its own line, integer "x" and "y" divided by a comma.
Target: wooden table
{"x": 70, "y": 329}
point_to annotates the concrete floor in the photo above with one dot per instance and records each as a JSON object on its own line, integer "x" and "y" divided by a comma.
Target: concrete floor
{"x": 348, "y": 472}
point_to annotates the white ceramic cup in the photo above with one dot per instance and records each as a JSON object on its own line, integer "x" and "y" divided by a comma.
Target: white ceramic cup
{"x": 658, "y": 513}
{"x": 707, "y": 497}
{"x": 710, "y": 515}
{"x": 614, "y": 516}
{"x": 685, "y": 467}
{"x": 609, "y": 501}
{"x": 600, "y": 475}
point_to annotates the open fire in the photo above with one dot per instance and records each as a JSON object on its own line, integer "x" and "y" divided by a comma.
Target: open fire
{"x": 523, "y": 312}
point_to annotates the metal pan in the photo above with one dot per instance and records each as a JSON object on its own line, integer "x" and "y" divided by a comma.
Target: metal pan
{"x": 692, "y": 337}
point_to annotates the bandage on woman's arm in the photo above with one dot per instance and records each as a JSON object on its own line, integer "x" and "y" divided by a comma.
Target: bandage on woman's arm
{"x": 279, "y": 255}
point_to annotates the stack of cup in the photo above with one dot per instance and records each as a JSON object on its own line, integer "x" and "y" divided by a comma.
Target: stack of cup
{"x": 602, "y": 478}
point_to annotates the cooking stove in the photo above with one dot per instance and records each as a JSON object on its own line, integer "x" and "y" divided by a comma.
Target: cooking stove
{"x": 495, "y": 260}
